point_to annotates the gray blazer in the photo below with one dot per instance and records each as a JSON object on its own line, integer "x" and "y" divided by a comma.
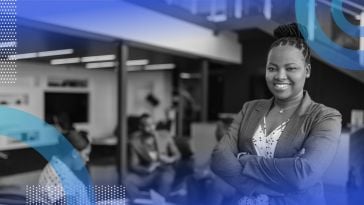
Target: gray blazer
{"x": 288, "y": 178}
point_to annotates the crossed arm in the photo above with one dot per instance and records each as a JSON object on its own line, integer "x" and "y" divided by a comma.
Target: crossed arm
{"x": 255, "y": 174}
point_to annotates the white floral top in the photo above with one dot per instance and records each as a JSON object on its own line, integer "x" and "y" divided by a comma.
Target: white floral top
{"x": 265, "y": 146}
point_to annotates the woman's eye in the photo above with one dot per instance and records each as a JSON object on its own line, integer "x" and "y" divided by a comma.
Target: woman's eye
{"x": 290, "y": 68}
{"x": 270, "y": 69}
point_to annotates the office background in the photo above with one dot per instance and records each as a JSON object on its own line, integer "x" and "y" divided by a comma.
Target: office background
{"x": 198, "y": 61}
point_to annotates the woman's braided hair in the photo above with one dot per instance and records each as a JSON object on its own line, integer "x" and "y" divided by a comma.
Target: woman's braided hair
{"x": 294, "y": 35}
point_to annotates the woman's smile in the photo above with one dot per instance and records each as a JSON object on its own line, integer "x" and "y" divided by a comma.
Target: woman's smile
{"x": 281, "y": 86}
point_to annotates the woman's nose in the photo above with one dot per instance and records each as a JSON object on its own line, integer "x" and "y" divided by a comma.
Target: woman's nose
{"x": 281, "y": 74}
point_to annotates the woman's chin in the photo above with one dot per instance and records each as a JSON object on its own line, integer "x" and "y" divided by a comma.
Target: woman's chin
{"x": 282, "y": 95}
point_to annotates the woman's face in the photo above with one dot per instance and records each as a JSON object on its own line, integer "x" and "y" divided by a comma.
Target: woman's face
{"x": 286, "y": 72}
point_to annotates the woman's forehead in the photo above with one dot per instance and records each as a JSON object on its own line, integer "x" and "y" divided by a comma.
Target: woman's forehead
{"x": 285, "y": 54}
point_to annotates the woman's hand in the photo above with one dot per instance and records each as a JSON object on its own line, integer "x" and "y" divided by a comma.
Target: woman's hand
{"x": 300, "y": 153}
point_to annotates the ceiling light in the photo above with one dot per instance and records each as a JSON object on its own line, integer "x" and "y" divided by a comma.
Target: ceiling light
{"x": 190, "y": 75}
{"x": 98, "y": 58}
{"x": 137, "y": 62}
{"x": 55, "y": 52}
{"x": 34, "y": 55}
{"x": 100, "y": 65}
{"x": 166, "y": 66}
{"x": 217, "y": 18}
{"x": 134, "y": 68}
{"x": 65, "y": 61}
{"x": 185, "y": 75}
{"x": 22, "y": 56}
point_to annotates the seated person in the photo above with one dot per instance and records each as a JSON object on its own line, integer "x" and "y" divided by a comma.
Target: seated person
{"x": 67, "y": 167}
{"x": 152, "y": 155}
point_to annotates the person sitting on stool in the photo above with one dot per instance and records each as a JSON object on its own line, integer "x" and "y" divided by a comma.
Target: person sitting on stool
{"x": 152, "y": 156}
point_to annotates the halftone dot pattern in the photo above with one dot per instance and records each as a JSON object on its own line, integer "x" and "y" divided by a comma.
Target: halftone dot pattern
{"x": 7, "y": 41}
{"x": 104, "y": 194}
{"x": 110, "y": 194}
{"x": 35, "y": 194}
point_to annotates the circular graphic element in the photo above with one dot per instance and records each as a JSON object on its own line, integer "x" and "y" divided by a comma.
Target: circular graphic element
{"x": 18, "y": 125}
{"x": 342, "y": 22}
{"x": 323, "y": 46}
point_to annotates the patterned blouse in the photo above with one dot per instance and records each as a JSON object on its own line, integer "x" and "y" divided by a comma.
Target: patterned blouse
{"x": 265, "y": 145}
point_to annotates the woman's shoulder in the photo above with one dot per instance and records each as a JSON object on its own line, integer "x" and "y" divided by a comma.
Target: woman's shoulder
{"x": 321, "y": 111}
{"x": 255, "y": 103}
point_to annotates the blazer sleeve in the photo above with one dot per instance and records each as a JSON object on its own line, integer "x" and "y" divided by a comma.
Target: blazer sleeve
{"x": 299, "y": 173}
{"x": 225, "y": 164}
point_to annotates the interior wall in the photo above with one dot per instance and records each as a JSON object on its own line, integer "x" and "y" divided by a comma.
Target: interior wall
{"x": 336, "y": 89}
{"x": 32, "y": 81}
{"x": 238, "y": 82}
{"x": 142, "y": 84}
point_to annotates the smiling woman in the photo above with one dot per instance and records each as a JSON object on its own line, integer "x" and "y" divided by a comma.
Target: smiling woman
{"x": 277, "y": 150}
{"x": 286, "y": 72}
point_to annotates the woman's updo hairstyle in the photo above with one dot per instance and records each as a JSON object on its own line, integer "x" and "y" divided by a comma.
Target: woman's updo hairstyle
{"x": 294, "y": 35}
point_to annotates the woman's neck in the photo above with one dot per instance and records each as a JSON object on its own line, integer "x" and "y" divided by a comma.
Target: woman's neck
{"x": 285, "y": 103}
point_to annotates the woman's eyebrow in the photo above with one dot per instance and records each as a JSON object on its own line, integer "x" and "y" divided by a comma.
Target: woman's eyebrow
{"x": 287, "y": 64}
{"x": 273, "y": 64}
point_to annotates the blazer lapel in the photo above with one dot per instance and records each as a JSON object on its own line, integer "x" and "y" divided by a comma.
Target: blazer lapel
{"x": 252, "y": 123}
{"x": 287, "y": 135}
{"x": 293, "y": 126}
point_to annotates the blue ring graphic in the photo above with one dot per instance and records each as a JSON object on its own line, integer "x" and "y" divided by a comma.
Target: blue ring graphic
{"x": 328, "y": 50}
{"x": 12, "y": 121}
{"x": 343, "y": 23}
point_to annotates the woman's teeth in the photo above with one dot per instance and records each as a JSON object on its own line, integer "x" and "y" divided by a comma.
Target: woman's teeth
{"x": 281, "y": 86}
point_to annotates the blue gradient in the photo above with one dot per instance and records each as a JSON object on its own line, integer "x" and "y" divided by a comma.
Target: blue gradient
{"x": 96, "y": 16}
{"x": 14, "y": 121}
{"x": 62, "y": 9}
{"x": 326, "y": 48}
{"x": 342, "y": 23}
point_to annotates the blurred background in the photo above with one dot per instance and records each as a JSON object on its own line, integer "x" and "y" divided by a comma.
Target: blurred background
{"x": 189, "y": 64}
